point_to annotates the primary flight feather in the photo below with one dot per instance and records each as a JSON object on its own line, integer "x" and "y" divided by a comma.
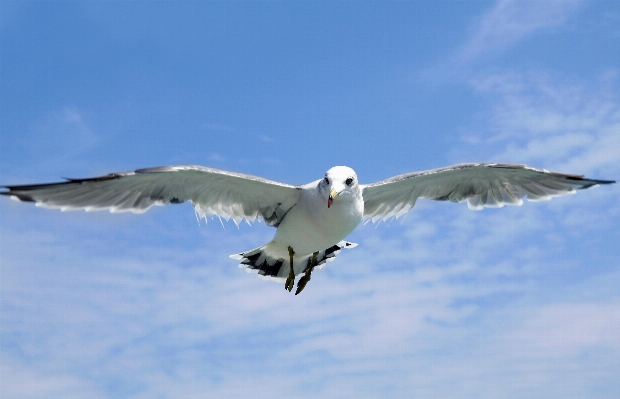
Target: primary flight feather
{"x": 312, "y": 220}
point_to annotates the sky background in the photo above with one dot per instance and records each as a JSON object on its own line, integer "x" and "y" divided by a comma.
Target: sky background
{"x": 519, "y": 302}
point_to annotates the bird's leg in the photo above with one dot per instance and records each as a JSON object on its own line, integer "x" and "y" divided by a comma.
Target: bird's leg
{"x": 304, "y": 280}
{"x": 290, "y": 281}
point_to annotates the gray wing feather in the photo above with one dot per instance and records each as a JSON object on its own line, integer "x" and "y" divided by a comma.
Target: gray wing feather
{"x": 212, "y": 192}
{"x": 482, "y": 185}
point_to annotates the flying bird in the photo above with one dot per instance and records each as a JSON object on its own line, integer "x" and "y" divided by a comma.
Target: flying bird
{"x": 311, "y": 220}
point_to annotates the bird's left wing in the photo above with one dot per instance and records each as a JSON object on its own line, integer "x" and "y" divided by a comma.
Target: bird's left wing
{"x": 212, "y": 192}
{"x": 480, "y": 184}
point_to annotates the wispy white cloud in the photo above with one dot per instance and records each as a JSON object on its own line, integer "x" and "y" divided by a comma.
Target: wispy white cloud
{"x": 25, "y": 382}
{"x": 511, "y": 21}
{"x": 560, "y": 125}
{"x": 567, "y": 329}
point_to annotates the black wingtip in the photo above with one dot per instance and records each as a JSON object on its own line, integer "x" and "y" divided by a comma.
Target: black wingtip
{"x": 21, "y": 197}
{"x": 594, "y": 182}
{"x": 31, "y": 187}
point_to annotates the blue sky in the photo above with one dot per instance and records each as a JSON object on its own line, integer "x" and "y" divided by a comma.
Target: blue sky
{"x": 509, "y": 303}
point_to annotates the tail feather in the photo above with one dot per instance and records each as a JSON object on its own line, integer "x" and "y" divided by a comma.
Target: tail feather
{"x": 271, "y": 267}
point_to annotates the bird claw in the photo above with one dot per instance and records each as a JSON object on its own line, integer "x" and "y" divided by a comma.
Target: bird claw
{"x": 290, "y": 281}
{"x": 302, "y": 282}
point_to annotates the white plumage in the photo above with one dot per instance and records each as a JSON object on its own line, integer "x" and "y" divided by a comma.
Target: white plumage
{"x": 311, "y": 220}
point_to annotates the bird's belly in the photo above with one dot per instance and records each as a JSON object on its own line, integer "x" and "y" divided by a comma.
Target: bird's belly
{"x": 307, "y": 233}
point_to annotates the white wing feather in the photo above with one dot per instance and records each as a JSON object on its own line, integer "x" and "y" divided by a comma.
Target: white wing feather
{"x": 212, "y": 192}
{"x": 482, "y": 185}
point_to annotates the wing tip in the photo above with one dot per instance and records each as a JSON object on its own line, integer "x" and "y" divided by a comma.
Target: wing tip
{"x": 587, "y": 182}
{"x": 16, "y": 196}
{"x": 594, "y": 182}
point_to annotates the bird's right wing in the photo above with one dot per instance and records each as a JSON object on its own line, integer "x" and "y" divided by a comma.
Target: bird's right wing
{"x": 482, "y": 185}
{"x": 212, "y": 192}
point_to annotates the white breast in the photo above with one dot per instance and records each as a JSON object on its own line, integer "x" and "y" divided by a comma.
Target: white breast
{"x": 311, "y": 226}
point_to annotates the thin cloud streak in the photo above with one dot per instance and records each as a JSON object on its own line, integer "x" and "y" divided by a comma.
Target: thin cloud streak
{"x": 513, "y": 20}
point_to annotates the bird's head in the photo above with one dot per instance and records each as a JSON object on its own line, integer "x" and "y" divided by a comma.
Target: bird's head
{"x": 339, "y": 182}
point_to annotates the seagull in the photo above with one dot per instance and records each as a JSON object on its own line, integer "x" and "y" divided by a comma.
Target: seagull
{"x": 311, "y": 220}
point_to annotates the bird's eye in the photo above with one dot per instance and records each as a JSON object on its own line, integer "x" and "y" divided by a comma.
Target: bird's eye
{"x": 349, "y": 181}
{"x": 326, "y": 180}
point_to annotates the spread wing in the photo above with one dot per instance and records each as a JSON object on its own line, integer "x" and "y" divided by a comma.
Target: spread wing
{"x": 482, "y": 185}
{"x": 212, "y": 192}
